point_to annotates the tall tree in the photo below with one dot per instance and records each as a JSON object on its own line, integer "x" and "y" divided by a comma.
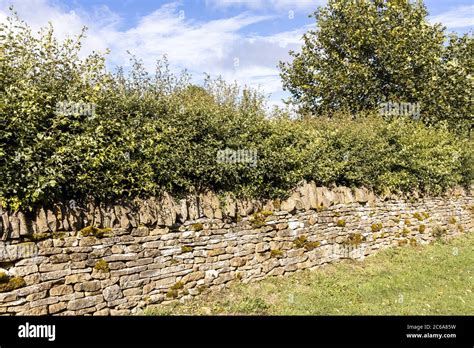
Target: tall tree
{"x": 364, "y": 53}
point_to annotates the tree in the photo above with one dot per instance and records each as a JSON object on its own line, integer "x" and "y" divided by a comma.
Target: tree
{"x": 364, "y": 53}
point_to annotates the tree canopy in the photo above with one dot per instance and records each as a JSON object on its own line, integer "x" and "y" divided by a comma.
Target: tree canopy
{"x": 364, "y": 53}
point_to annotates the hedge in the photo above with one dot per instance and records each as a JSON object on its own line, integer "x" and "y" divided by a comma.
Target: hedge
{"x": 149, "y": 133}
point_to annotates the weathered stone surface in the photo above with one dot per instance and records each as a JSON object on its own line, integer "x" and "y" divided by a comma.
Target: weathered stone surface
{"x": 57, "y": 307}
{"x": 77, "y": 278}
{"x": 230, "y": 206}
{"x": 112, "y": 293}
{"x": 321, "y": 198}
{"x": 61, "y": 290}
{"x": 25, "y": 270}
{"x": 191, "y": 277}
{"x": 89, "y": 286}
{"x": 84, "y": 302}
{"x": 261, "y": 247}
{"x": 215, "y": 252}
{"x": 158, "y": 250}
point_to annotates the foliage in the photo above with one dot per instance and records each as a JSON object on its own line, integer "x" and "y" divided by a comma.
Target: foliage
{"x": 151, "y": 133}
{"x": 364, "y": 53}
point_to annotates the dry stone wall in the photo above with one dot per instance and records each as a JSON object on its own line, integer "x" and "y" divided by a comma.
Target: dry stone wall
{"x": 118, "y": 259}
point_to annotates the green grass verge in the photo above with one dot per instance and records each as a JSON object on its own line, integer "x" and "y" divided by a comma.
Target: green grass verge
{"x": 424, "y": 280}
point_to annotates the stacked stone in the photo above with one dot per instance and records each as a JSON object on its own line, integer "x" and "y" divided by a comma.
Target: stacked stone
{"x": 160, "y": 250}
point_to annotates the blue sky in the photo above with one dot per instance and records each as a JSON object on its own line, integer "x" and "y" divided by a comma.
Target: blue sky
{"x": 241, "y": 40}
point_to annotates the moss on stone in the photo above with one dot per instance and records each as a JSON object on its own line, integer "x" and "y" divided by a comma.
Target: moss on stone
{"x": 186, "y": 249}
{"x": 402, "y": 242}
{"x": 276, "y": 253}
{"x": 172, "y": 293}
{"x": 471, "y": 208}
{"x": 12, "y": 284}
{"x": 92, "y": 231}
{"x": 438, "y": 232}
{"x": 4, "y": 278}
{"x": 354, "y": 239}
{"x": 102, "y": 266}
{"x": 341, "y": 223}
{"x": 303, "y": 242}
{"x": 376, "y": 227}
{"x": 59, "y": 235}
{"x": 418, "y": 216}
{"x": 421, "y": 228}
{"x": 257, "y": 220}
{"x": 311, "y": 245}
{"x": 300, "y": 241}
{"x": 197, "y": 226}
{"x": 452, "y": 220}
{"x": 320, "y": 208}
{"x": 37, "y": 237}
{"x": 407, "y": 222}
{"x": 177, "y": 286}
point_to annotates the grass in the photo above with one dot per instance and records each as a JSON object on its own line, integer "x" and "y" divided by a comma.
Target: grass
{"x": 436, "y": 279}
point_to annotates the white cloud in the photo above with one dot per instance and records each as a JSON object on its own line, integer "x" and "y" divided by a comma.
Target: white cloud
{"x": 210, "y": 46}
{"x": 284, "y": 38}
{"x": 459, "y": 17}
{"x": 278, "y": 5}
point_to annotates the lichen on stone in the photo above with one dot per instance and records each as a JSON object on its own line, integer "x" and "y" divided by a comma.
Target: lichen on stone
{"x": 102, "y": 266}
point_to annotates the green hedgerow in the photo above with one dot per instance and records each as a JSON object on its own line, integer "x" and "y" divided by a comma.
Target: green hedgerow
{"x": 155, "y": 133}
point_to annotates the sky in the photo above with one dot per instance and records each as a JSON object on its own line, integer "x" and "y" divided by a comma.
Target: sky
{"x": 240, "y": 40}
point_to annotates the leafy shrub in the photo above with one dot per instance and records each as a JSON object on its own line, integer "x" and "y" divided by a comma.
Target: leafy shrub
{"x": 154, "y": 133}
